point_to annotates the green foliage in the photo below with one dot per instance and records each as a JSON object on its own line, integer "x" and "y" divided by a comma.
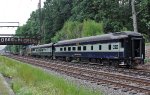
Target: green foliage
{"x": 31, "y": 28}
{"x": 147, "y": 60}
{"x": 71, "y": 30}
{"x": 146, "y": 37}
{"x": 91, "y": 28}
{"x": 74, "y": 29}
{"x": 13, "y": 48}
{"x": 29, "y": 80}
{"x": 17, "y": 84}
{"x": 114, "y": 15}
{"x": 148, "y": 44}
{"x": 144, "y": 17}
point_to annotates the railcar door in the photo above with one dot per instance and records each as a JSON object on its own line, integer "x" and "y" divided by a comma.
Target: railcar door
{"x": 136, "y": 47}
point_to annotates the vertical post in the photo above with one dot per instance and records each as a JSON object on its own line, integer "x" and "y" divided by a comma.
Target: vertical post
{"x": 40, "y": 30}
{"x": 134, "y": 16}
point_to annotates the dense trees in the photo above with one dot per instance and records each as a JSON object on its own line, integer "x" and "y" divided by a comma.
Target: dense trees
{"x": 69, "y": 16}
{"x": 143, "y": 17}
{"x": 76, "y": 29}
{"x": 55, "y": 14}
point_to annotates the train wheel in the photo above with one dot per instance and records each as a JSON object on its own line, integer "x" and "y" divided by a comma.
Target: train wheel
{"x": 116, "y": 64}
{"x": 99, "y": 61}
{"x": 105, "y": 63}
{"x": 110, "y": 63}
{"x": 131, "y": 64}
{"x": 68, "y": 59}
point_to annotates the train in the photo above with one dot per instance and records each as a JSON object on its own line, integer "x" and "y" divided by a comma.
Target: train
{"x": 113, "y": 49}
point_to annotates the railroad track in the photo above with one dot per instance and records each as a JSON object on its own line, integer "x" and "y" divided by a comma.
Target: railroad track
{"x": 131, "y": 72}
{"x": 100, "y": 77}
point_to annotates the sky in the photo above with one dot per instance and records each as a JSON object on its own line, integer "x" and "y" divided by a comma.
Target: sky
{"x": 16, "y": 11}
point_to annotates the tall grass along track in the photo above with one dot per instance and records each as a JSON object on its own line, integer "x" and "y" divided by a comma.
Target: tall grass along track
{"x": 121, "y": 81}
{"x": 29, "y": 80}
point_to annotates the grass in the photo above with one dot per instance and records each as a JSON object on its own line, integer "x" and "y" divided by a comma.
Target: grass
{"x": 147, "y": 60}
{"x": 29, "y": 80}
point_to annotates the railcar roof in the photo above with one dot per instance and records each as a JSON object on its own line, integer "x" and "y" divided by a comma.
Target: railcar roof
{"x": 110, "y": 36}
{"x": 44, "y": 45}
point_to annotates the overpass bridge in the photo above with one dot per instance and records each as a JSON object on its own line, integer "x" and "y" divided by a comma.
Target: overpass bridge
{"x": 11, "y": 39}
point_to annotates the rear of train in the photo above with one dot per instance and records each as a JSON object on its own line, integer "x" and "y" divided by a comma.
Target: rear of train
{"x": 134, "y": 49}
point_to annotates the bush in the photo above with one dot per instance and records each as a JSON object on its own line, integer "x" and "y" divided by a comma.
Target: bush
{"x": 74, "y": 29}
{"x": 92, "y": 28}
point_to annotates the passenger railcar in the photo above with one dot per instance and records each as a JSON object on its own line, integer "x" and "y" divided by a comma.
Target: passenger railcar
{"x": 45, "y": 50}
{"x": 120, "y": 48}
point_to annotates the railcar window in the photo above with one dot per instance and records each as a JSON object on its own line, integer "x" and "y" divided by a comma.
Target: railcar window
{"x": 79, "y": 48}
{"x": 64, "y": 48}
{"x": 109, "y": 47}
{"x": 100, "y": 47}
{"x": 73, "y": 48}
{"x": 61, "y": 49}
{"x": 91, "y": 47}
{"x": 69, "y": 48}
{"x": 84, "y": 48}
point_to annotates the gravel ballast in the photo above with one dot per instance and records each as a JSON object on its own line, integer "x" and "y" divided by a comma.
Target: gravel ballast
{"x": 104, "y": 88}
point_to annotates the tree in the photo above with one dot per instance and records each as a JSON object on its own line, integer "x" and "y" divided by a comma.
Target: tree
{"x": 115, "y": 15}
{"x": 75, "y": 29}
{"x": 56, "y": 13}
{"x": 134, "y": 16}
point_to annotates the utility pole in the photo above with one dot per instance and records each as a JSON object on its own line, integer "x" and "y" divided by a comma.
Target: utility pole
{"x": 42, "y": 33}
{"x": 134, "y": 16}
{"x": 40, "y": 22}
